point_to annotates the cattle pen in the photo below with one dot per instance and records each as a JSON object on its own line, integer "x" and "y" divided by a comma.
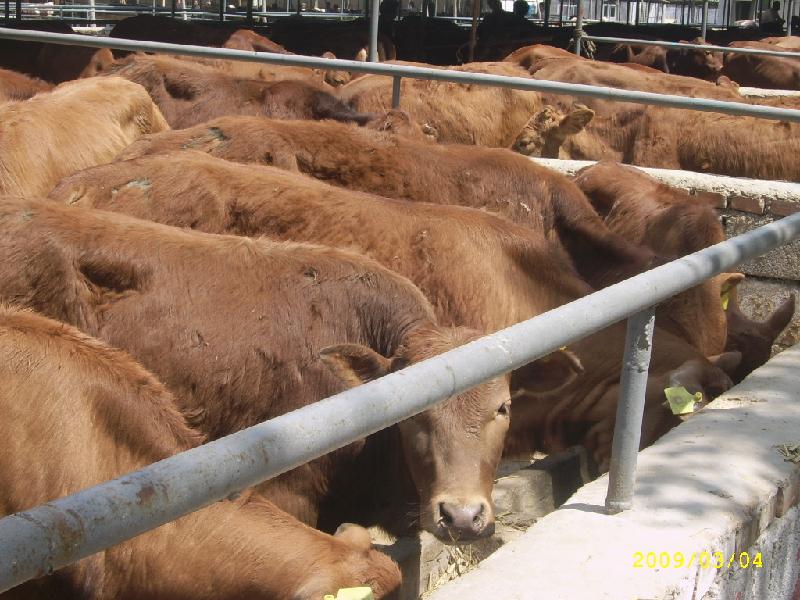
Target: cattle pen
{"x": 40, "y": 540}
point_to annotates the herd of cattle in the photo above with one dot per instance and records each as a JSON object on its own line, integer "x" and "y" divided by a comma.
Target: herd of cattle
{"x": 190, "y": 247}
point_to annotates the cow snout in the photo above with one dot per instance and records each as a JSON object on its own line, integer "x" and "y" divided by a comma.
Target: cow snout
{"x": 464, "y": 522}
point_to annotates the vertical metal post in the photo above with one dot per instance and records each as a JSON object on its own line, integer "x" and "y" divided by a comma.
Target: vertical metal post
{"x": 19, "y": 10}
{"x": 373, "y": 32}
{"x": 8, "y": 11}
{"x": 92, "y": 13}
{"x": 173, "y": 8}
{"x": 579, "y": 28}
{"x": 222, "y": 10}
{"x": 630, "y": 409}
{"x": 249, "y": 11}
{"x": 789, "y": 10}
{"x": 546, "y": 13}
{"x": 396, "y": 91}
{"x": 704, "y": 25}
{"x": 473, "y": 33}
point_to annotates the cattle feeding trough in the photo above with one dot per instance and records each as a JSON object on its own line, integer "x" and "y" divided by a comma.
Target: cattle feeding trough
{"x": 46, "y": 538}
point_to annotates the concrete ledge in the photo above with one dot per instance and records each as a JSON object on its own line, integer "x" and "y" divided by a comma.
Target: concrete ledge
{"x": 738, "y": 187}
{"x": 752, "y": 92}
{"x": 717, "y": 483}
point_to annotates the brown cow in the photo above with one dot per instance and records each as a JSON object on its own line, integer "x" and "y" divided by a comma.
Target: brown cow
{"x": 244, "y": 330}
{"x": 584, "y": 411}
{"x": 482, "y": 115}
{"x": 53, "y": 62}
{"x": 397, "y": 167}
{"x": 668, "y": 138}
{"x": 641, "y": 209}
{"x": 771, "y": 72}
{"x": 189, "y": 93}
{"x": 790, "y": 42}
{"x": 39, "y": 146}
{"x": 431, "y": 244}
{"x": 688, "y": 62}
{"x": 16, "y": 86}
{"x": 175, "y": 31}
{"x": 113, "y": 417}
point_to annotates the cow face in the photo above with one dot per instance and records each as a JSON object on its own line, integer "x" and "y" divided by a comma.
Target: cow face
{"x": 697, "y": 63}
{"x": 547, "y": 130}
{"x": 452, "y": 450}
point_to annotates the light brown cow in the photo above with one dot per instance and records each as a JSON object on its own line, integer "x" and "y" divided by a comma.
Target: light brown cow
{"x": 39, "y": 146}
{"x": 243, "y": 330}
{"x": 189, "y": 93}
{"x": 16, "y": 86}
{"x": 639, "y": 208}
{"x": 771, "y": 72}
{"x": 450, "y": 252}
{"x": 668, "y": 138}
{"x": 113, "y": 417}
{"x": 466, "y": 114}
{"x": 398, "y": 167}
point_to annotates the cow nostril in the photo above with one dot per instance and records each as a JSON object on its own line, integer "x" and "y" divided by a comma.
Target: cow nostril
{"x": 444, "y": 515}
{"x": 478, "y": 518}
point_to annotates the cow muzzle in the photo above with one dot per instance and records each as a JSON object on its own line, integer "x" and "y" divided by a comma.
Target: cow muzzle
{"x": 458, "y": 521}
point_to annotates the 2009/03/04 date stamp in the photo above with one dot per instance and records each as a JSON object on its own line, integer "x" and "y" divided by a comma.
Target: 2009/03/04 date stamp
{"x": 705, "y": 560}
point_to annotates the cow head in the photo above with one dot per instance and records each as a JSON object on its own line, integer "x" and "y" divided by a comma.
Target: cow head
{"x": 453, "y": 449}
{"x": 547, "y": 129}
{"x": 696, "y": 63}
{"x": 335, "y": 78}
{"x": 398, "y": 122}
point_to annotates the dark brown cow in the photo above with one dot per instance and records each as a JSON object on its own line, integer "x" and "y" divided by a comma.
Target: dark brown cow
{"x": 176, "y": 31}
{"x": 465, "y": 114}
{"x": 771, "y": 72}
{"x": 431, "y": 244}
{"x": 53, "y": 62}
{"x": 668, "y": 138}
{"x": 243, "y": 330}
{"x": 113, "y": 417}
{"x": 39, "y": 146}
{"x": 16, "y": 86}
{"x": 639, "y": 208}
{"x": 685, "y": 61}
{"x": 189, "y": 93}
{"x": 398, "y": 167}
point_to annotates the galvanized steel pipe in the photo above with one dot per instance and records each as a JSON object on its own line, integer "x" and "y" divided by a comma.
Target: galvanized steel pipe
{"x": 682, "y": 45}
{"x": 373, "y": 31}
{"x": 43, "y": 539}
{"x": 520, "y": 83}
{"x": 630, "y": 410}
{"x": 704, "y": 25}
{"x": 396, "y": 82}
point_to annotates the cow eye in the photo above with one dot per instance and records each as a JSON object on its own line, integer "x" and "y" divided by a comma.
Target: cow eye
{"x": 504, "y": 409}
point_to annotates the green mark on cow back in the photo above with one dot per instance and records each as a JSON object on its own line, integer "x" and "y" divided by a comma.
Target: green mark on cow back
{"x": 215, "y": 136}
{"x": 26, "y": 215}
{"x": 143, "y": 183}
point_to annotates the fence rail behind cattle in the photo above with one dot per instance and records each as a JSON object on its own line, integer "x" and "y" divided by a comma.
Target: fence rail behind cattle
{"x": 38, "y": 541}
{"x": 400, "y": 71}
{"x": 688, "y": 46}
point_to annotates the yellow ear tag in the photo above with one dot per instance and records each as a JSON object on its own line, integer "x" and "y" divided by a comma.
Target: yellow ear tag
{"x": 725, "y": 298}
{"x": 355, "y": 593}
{"x": 680, "y": 401}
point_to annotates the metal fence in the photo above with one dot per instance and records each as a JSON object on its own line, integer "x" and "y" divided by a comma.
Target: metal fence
{"x": 400, "y": 71}
{"x": 43, "y": 539}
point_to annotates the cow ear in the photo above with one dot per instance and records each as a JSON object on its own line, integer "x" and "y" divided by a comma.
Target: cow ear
{"x": 577, "y": 118}
{"x": 728, "y": 362}
{"x": 731, "y": 280}
{"x": 778, "y": 321}
{"x": 110, "y": 277}
{"x": 355, "y": 536}
{"x": 361, "y": 55}
{"x": 355, "y": 364}
{"x": 547, "y": 375}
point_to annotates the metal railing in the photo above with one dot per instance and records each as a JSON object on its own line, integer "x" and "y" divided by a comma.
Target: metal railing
{"x": 43, "y": 539}
{"x": 400, "y": 71}
{"x": 687, "y": 45}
